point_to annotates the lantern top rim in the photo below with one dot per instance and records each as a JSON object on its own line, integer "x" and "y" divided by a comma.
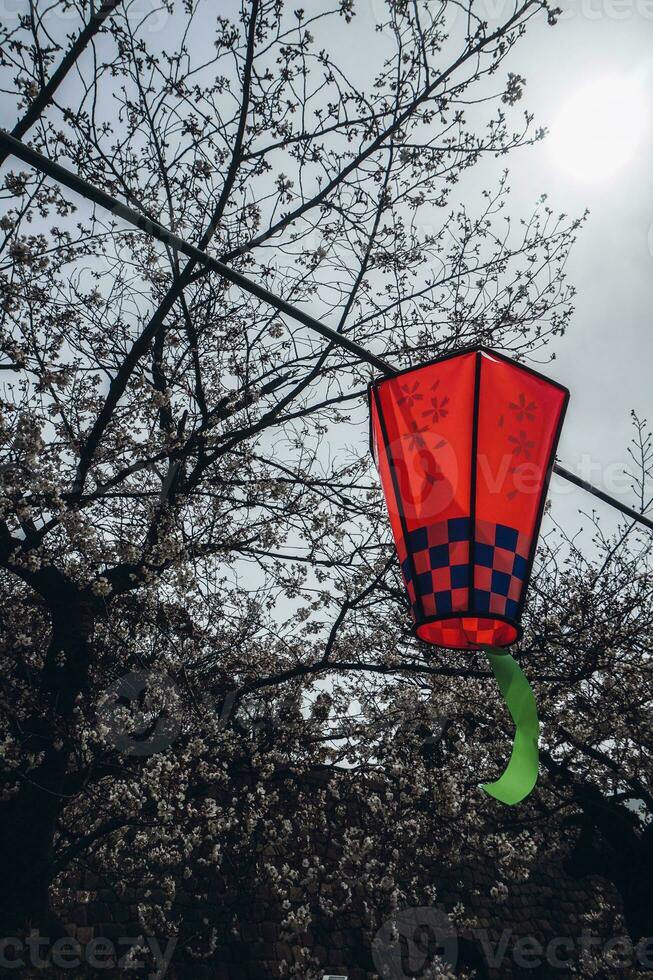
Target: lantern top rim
{"x": 469, "y": 349}
{"x": 376, "y": 383}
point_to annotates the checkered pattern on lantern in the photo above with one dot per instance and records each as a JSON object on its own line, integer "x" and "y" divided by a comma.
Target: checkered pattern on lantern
{"x": 441, "y": 556}
{"x": 500, "y": 567}
{"x": 440, "y": 553}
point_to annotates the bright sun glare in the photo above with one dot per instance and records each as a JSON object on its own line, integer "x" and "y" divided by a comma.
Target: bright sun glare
{"x": 599, "y": 128}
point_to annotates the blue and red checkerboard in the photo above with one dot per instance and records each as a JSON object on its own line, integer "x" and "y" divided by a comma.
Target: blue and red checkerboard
{"x": 441, "y": 556}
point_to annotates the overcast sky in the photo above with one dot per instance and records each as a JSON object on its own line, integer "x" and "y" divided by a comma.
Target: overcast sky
{"x": 606, "y": 356}
{"x": 590, "y": 81}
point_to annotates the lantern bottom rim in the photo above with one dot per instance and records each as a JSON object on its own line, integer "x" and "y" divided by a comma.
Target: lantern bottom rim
{"x": 468, "y": 630}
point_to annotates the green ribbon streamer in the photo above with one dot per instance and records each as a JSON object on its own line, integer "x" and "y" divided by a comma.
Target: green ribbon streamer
{"x": 520, "y": 774}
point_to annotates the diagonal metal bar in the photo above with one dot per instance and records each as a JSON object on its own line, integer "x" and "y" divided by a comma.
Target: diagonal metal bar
{"x": 10, "y": 145}
{"x": 150, "y": 227}
{"x": 602, "y": 495}
{"x": 46, "y": 94}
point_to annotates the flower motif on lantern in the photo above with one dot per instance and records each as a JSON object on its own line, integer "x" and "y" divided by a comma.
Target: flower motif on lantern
{"x": 414, "y": 438}
{"x": 438, "y": 409}
{"x": 410, "y": 395}
{"x": 523, "y": 408}
{"x": 522, "y": 444}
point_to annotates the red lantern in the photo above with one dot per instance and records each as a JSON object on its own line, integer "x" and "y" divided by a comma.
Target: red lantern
{"x": 464, "y": 446}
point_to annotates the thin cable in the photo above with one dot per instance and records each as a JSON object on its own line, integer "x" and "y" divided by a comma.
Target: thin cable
{"x": 602, "y": 495}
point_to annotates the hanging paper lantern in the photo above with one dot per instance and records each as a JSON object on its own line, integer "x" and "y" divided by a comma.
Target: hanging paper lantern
{"x": 464, "y": 446}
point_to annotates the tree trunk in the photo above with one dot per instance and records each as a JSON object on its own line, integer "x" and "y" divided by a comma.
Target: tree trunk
{"x": 623, "y": 853}
{"x": 27, "y": 828}
{"x": 29, "y": 819}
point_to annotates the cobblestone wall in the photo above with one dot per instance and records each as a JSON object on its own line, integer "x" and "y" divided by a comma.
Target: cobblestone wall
{"x": 548, "y": 905}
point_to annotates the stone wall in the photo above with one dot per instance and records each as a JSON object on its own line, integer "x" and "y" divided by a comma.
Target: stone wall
{"x": 549, "y": 905}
